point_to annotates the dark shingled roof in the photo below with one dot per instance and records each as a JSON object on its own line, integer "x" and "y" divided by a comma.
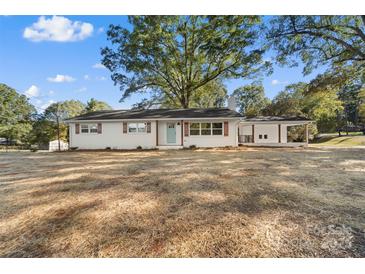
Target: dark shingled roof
{"x": 159, "y": 113}
{"x": 275, "y": 118}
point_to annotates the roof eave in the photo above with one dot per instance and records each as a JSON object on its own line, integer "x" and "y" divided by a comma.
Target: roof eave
{"x": 150, "y": 119}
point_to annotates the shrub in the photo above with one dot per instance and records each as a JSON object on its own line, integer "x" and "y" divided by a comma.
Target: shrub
{"x": 192, "y": 146}
{"x": 108, "y": 148}
{"x": 73, "y": 148}
{"x": 139, "y": 147}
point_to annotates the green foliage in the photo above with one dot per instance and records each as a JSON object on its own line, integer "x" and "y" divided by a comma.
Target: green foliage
{"x": 95, "y": 105}
{"x": 362, "y": 105}
{"x": 15, "y": 114}
{"x": 251, "y": 99}
{"x": 318, "y": 40}
{"x": 63, "y": 110}
{"x": 211, "y": 95}
{"x": 352, "y": 97}
{"x": 288, "y": 102}
{"x": 50, "y": 126}
{"x": 322, "y": 106}
{"x": 43, "y": 131}
{"x": 177, "y": 55}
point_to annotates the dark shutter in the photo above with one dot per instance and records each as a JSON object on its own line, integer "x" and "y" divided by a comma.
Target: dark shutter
{"x": 77, "y": 128}
{"x": 99, "y": 128}
{"x": 225, "y": 128}
{"x": 148, "y": 127}
{"x": 186, "y": 129}
{"x": 125, "y": 127}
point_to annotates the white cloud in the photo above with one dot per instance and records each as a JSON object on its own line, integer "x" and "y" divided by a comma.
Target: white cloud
{"x": 61, "y": 78}
{"x": 99, "y": 66}
{"x": 50, "y": 102}
{"x": 59, "y": 29}
{"x": 100, "y": 78}
{"x": 86, "y": 77}
{"x": 100, "y": 30}
{"x": 277, "y": 82}
{"x": 33, "y": 91}
{"x": 81, "y": 89}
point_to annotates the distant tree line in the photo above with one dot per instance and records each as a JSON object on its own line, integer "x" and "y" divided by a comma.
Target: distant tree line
{"x": 21, "y": 123}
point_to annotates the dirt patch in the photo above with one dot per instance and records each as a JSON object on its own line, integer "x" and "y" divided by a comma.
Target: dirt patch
{"x": 249, "y": 202}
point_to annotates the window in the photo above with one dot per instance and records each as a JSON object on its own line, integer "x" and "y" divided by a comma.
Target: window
{"x": 194, "y": 128}
{"x": 89, "y": 128}
{"x": 136, "y": 127}
{"x": 93, "y": 128}
{"x": 217, "y": 128}
{"x": 260, "y": 136}
{"x": 84, "y": 128}
{"x": 132, "y": 127}
{"x": 141, "y": 127}
{"x": 206, "y": 129}
{"x": 265, "y": 136}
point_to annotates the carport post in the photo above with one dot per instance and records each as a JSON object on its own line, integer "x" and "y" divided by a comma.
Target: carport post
{"x": 156, "y": 133}
{"x": 253, "y": 133}
{"x": 306, "y": 133}
{"x": 279, "y": 132}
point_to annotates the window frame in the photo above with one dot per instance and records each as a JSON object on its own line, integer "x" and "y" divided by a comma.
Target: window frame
{"x": 95, "y": 126}
{"x": 215, "y": 128}
{"x": 88, "y": 127}
{"x": 137, "y": 127}
{"x": 206, "y": 128}
{"x": 81, "y": 128}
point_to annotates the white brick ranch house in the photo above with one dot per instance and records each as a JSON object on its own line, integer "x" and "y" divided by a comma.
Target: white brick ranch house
{"x": 178, "y": 128}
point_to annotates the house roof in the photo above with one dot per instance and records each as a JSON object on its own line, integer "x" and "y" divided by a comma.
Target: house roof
{"x": 275, "y": 118}
{"x": 159, "y": 114}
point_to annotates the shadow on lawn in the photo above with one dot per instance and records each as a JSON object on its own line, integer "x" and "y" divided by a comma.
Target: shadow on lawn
{"x": 190, "y": 194}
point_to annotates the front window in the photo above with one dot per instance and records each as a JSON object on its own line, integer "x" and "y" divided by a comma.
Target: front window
{"x": 206, "y": 129}
{"x": 84, "y": 128}
{"x": 217, "y": 128}
{"x": 136, "y": 127}
{"x": 141, "y": 127}
{"x": 195, "y": 129}
{"x": 93, "y": 128}
{"x": 132, "y": 127}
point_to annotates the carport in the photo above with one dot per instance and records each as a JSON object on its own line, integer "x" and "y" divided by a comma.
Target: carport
{"x": 273, "y": 131}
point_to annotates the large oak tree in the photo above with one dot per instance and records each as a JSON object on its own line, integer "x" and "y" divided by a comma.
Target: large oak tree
{"x": 318, "y": 40}
{"x": 177, "y": 55}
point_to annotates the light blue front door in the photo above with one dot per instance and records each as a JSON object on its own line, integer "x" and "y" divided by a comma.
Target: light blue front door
{"x": 171, "y": 133}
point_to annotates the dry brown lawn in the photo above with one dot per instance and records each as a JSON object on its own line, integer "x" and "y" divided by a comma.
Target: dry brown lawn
{"x": 202, "y": 203}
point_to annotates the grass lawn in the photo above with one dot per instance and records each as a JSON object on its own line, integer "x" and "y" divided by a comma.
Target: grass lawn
{"x": 343, "y": 141}
{"x": 248, "y": 202}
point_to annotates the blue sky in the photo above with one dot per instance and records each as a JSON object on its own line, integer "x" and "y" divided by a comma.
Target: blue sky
{"x": 54, "y": 59}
